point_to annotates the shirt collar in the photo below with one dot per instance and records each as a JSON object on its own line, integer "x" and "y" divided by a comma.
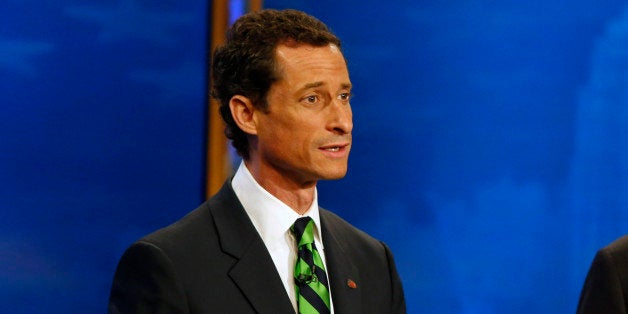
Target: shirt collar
{"x": 271, "y": 217}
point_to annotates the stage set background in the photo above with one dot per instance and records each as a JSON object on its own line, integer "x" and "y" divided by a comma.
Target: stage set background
{"x": 490, "y": 145}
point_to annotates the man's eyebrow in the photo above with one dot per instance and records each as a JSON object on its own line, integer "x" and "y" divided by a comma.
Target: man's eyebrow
{"x": 312, "y": 85}
{"x": 319, "y": 84}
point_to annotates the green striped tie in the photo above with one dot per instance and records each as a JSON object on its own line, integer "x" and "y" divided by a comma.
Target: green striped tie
{"x": 309, "y": 272}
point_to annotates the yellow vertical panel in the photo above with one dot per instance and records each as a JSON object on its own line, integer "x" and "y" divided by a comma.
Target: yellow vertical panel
{"x": 218, "y": 159}
{"x": 255, "y": 5}
{"x": 218, "y": 162}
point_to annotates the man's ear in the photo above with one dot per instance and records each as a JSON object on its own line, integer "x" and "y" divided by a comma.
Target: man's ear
{"x": 242, "y": 111}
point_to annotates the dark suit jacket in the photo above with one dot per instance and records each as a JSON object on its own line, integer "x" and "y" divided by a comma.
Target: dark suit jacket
{"x": 214, "y": 261}
{"x": 606, "y": 287}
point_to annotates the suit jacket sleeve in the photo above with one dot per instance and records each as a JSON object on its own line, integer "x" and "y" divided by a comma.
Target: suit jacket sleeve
{"x": 146, "y": 282}
{"x": 602, "y": 291}
{"x": 398, "y": 300}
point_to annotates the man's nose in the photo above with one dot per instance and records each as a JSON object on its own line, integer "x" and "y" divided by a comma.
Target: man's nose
{"x": 341, "y": 117}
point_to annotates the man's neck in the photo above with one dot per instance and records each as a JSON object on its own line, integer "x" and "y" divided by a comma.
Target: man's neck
{"x": 298, "y": 195}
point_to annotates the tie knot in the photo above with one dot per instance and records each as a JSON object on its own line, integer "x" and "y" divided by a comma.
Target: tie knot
{"x": 303, "y": 229}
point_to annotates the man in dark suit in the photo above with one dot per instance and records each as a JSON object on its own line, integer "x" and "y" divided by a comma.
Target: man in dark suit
{"x": 605, "y": 289}
{"x": 262, "y": 244}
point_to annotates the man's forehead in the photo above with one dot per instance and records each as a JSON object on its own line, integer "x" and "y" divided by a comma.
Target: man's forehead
{"x": 288, "y": 51}
{"x": 304, "y": 59}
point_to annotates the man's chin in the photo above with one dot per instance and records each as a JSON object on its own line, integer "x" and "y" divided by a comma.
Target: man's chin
{"x": 334, "y": 175}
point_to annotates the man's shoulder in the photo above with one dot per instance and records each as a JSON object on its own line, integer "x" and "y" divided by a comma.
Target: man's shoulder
{"x": 618, "y": 246}
{"x": 196, "y": 224}
{"x": 614, "y": 255}
{"x": 345, "y": 231}
{"x": 191, "y": 226}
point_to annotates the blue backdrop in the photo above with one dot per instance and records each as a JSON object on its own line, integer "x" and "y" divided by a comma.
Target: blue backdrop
{"x": 490, "y": 148}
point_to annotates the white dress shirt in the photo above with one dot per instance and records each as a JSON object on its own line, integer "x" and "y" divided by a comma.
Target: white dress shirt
{"x": 272, "y": 218}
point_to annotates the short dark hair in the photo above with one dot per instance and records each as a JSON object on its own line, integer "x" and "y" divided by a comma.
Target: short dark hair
{"x": 245, "y": 64}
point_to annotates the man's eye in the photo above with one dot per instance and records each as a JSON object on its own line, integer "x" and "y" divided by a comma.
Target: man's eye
{"x": 311, "y": 99}
{"x": 344, "y": 96}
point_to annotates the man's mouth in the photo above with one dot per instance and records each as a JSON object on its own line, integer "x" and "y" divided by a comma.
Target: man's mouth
{"x": 334, "y": 148}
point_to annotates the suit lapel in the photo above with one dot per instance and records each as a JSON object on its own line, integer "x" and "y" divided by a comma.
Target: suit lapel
{"x": 346, "y": 296}
{"x": 254, "y": 271}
